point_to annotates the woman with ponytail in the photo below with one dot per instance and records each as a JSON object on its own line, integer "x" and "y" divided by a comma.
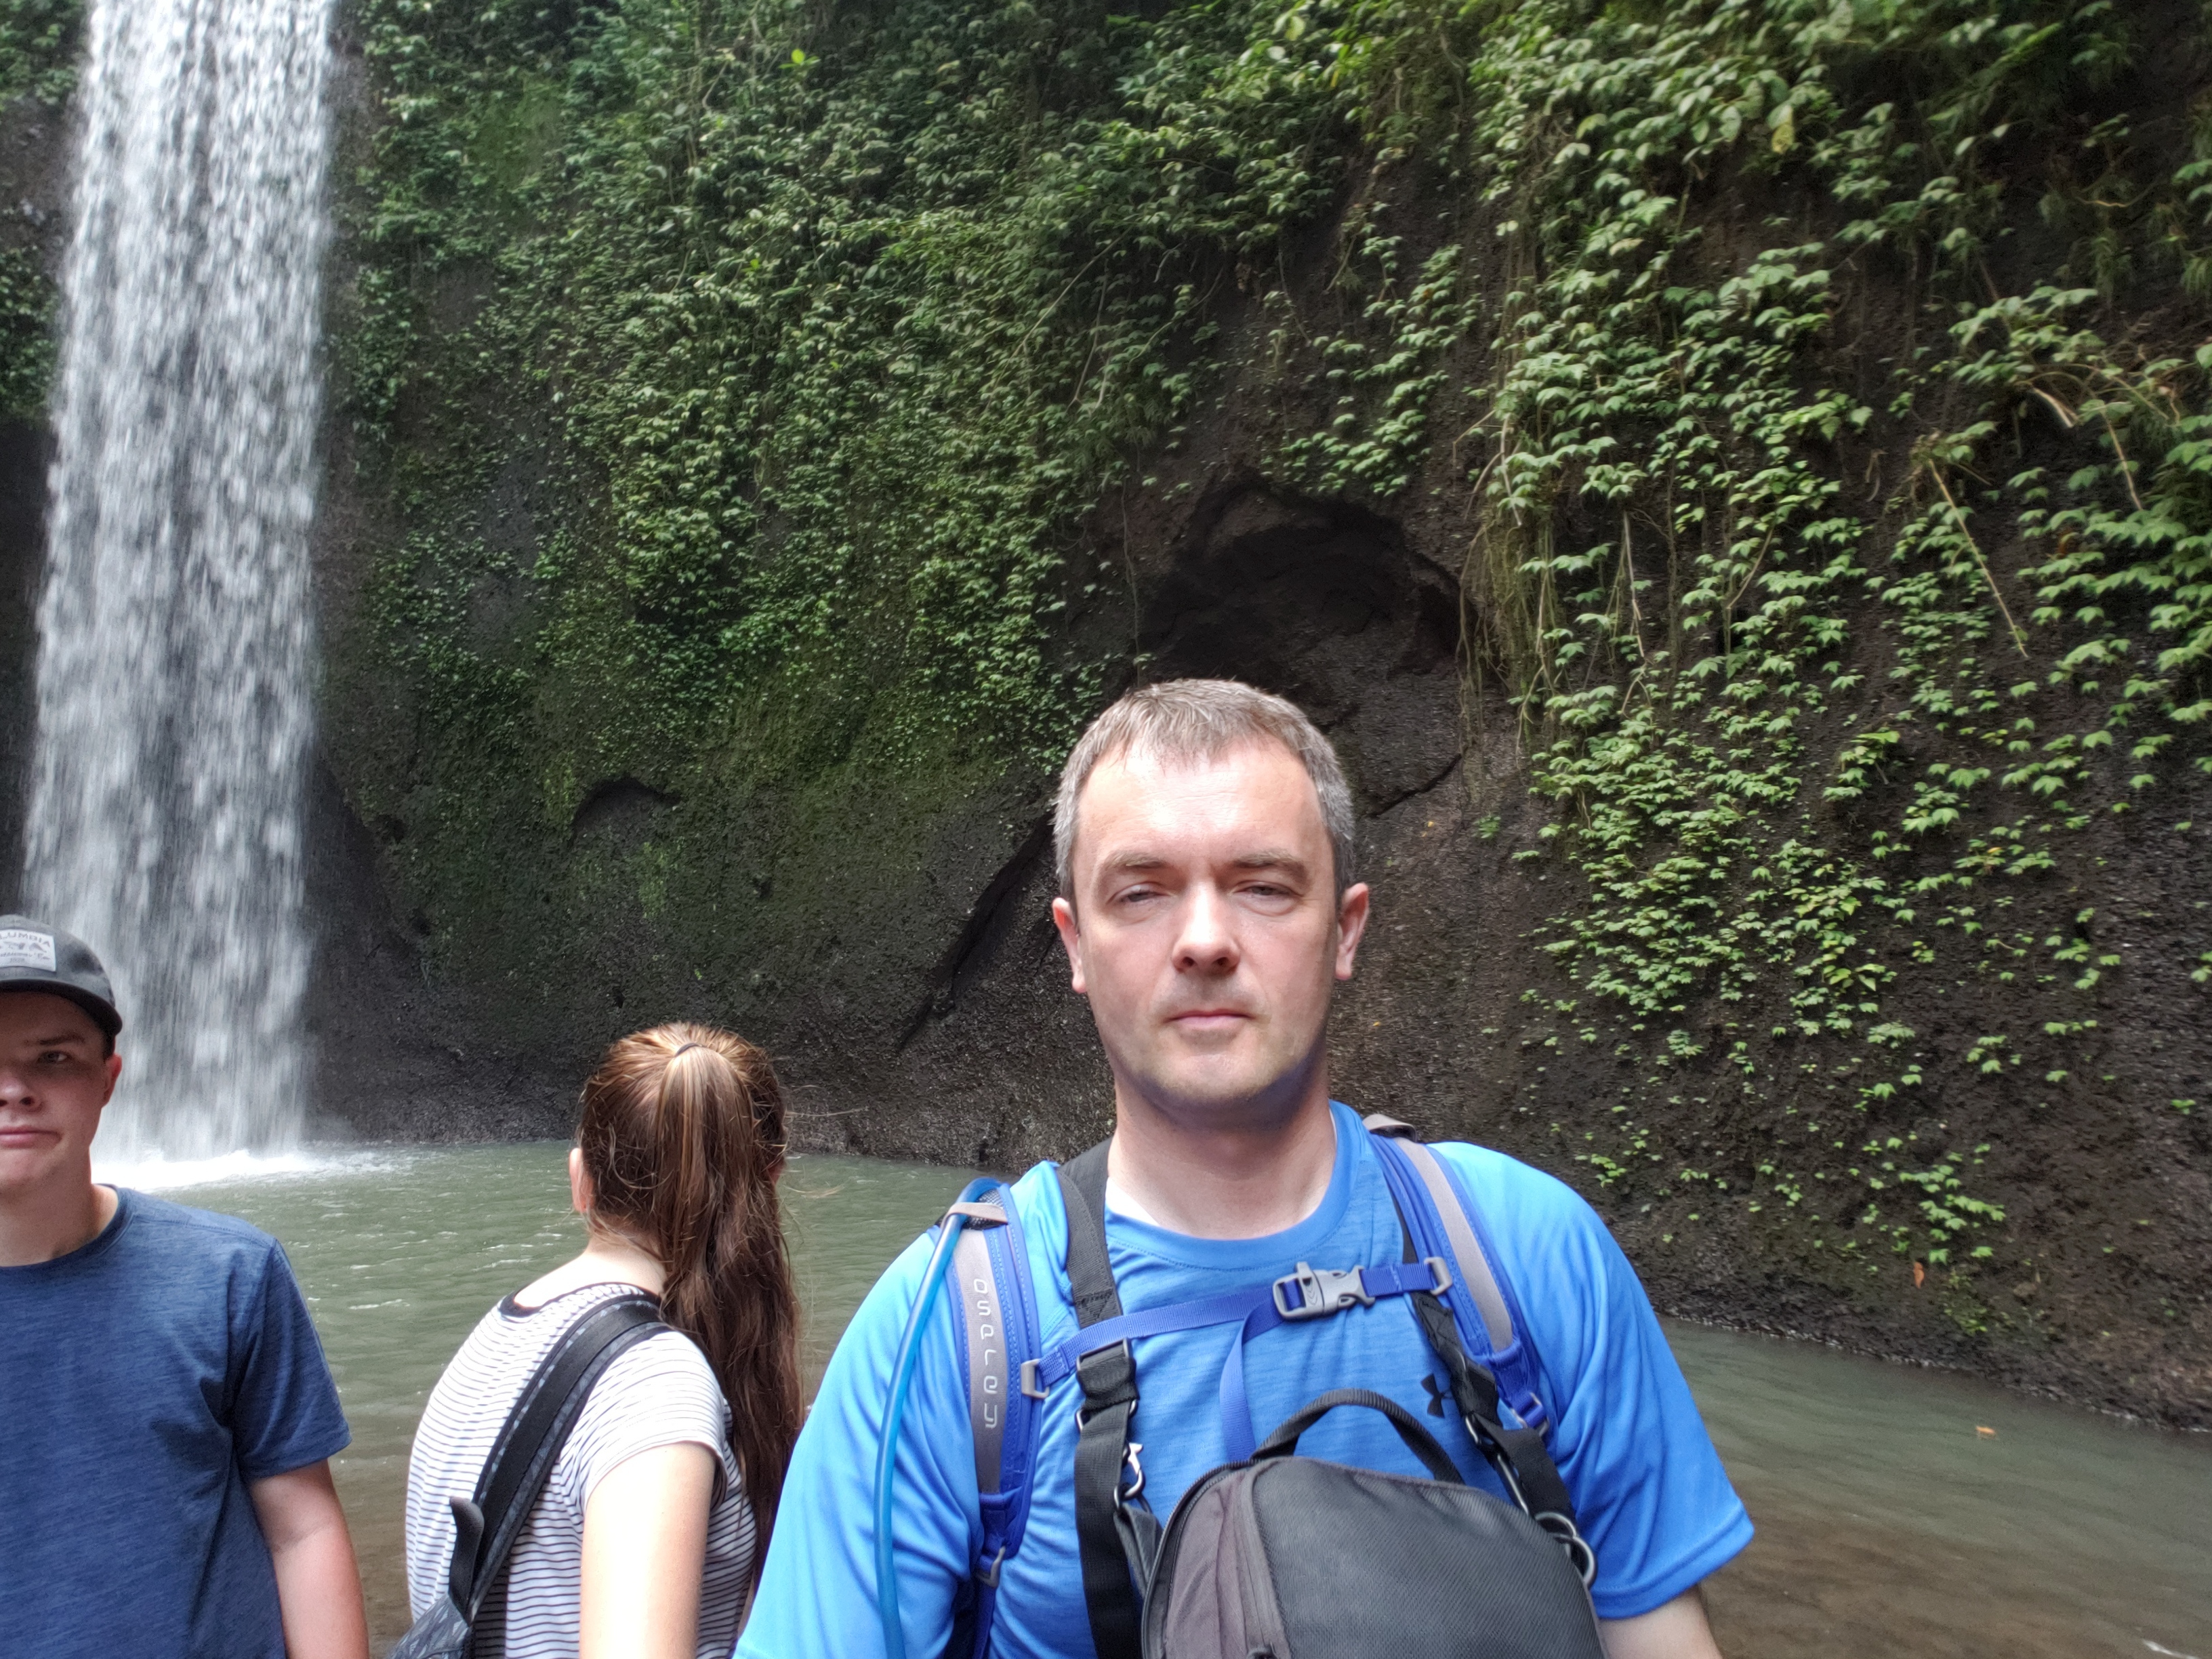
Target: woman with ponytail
{"x": 645, "y": 1541}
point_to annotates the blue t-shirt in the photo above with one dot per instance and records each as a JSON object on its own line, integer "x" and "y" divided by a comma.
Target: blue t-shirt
{"x": 148, "y": 1376}
{"x": 1648, "y": 1489}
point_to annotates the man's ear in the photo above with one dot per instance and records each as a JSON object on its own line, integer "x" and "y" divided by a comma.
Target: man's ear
{"x": 114, "y": 1067}
{"x": 1351, "y": 924}
{"x": 1071, "y": 938}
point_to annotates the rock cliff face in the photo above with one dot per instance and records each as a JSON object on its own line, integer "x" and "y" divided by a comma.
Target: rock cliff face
{"x": 1684, "y": 890}
{"x": 894, "y": 948}
{"x": 1693, "y": 881}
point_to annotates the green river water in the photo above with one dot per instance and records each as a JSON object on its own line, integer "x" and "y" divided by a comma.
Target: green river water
{"x": 1888, "y": 1522}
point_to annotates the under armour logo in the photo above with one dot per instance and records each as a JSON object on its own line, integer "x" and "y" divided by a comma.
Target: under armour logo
{"x": 1435, "y": 1393}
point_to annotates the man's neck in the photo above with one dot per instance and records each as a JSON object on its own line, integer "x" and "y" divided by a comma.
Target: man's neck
{"x": 1241, "y": 1182}
{"x": 53, "y": 1218}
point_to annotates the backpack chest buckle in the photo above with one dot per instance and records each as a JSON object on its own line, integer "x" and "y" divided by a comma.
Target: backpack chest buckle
{"x": 1321, "y": 1292}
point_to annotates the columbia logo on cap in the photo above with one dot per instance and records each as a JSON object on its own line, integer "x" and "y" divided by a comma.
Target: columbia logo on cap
{"x": 27, "y": 947}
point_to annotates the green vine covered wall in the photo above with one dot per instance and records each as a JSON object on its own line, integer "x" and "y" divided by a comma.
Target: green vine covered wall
{"x": 38, "y": 42}
{"x": 1808, "y": 402}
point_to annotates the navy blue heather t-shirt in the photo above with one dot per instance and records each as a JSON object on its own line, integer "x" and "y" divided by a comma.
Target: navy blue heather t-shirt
{"x": 146, "y": 1379}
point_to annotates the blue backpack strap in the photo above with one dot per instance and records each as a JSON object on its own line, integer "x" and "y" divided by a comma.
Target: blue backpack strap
{"x": 1294, "y": 1297}
{"x": 997, "y": 1335}
{"x": 1496, "y": 1392}
{"x": 1444, "y": 1222}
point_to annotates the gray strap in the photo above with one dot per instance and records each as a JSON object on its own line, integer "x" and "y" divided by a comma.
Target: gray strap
{"x": 988, "y": 1378}
{"x": 521, "y": 1462}
{"x": 1090, "y": 1274}
{"x": 1474, "y": 1270}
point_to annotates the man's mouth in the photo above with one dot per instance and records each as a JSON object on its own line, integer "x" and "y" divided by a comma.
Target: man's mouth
{"x": 1208, "y": 1019}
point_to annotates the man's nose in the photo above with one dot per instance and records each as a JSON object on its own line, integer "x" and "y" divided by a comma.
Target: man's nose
{"x": 1207, "y": 943}
{"x": 15, "y": 1087}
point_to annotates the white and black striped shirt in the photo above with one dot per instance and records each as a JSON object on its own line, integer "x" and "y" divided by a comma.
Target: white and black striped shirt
{"x": 659, "y": 1393}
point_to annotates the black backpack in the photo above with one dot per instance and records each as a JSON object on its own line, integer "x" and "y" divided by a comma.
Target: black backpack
{"x": 487, "y": 1525}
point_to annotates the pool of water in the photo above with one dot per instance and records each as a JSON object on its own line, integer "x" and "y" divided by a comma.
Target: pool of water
{"x": 1899, "y": 1512}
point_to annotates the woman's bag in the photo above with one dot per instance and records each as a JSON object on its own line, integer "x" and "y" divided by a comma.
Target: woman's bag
{"x": 1294, "y": 1557}
{"x": 486, "y": 1525}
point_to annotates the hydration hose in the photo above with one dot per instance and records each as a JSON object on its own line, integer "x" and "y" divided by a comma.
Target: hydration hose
{"x": 909, "y": 1351}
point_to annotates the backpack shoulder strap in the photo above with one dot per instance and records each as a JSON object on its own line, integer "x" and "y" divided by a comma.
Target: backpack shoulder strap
{"x": 1486, "y": 1314}
{"x": 1090, "y": 1275}
{"x": 487, "y": 1525}
{"x": 1114, "y": 1535}
{"x": 1437, "y": 1214}
{"x": 998, "y": 1335}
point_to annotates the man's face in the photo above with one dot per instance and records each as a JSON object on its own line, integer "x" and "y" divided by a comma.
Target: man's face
{"x": 54, "y": 1080}
{"x": 1207, "y": 932}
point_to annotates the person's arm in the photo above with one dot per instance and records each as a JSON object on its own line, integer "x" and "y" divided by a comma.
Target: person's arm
{"x": 645, "y": 1547}
{"x": 1674, "y": 1630}
{"x": 318, "y": 1583}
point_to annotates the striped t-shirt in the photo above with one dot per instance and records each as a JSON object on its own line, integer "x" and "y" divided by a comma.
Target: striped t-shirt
{"x": 660, "y": 1392}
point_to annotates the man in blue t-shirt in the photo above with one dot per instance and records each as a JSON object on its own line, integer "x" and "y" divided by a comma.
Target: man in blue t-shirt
{"x": 166, "y": 1465}
{"x": 1204, "y": 840}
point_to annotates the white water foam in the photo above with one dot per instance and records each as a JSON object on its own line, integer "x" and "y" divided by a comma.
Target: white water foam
{"x": 162, "y": 1174}
{"x": 175, "y": 643}
{"x": 157, "y": 1174}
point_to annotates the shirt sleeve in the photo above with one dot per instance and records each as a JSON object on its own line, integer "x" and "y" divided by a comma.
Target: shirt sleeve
{"x": 660, "y": 1392}
{"x": 1650, "y": 1490}
{"x": 818, "y": 1590}
{"x": 284, "y": 1409}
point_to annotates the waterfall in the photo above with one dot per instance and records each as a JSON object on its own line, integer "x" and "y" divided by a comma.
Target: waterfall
{"x": 174, "y": 639}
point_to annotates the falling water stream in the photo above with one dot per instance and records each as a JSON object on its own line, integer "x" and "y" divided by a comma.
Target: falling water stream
{"x": 173, "y": 656}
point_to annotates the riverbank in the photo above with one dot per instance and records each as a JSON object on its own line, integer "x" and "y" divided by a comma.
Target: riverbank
{"x": 1900, "y": 1512}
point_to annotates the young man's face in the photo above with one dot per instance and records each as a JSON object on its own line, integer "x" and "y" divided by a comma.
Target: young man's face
{"x": 54, "y": 1080}
{"x": 1205, "y": 929}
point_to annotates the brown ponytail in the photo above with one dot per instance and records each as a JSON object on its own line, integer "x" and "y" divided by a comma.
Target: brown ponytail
{"x": 682, "y": 1137}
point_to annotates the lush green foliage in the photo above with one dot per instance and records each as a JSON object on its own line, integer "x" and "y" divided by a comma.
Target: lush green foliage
{"x": 840, "y": 328}
{"x": 27, "y": 335}
{"x": 38, "y": 48}
{"x": 1673, "y": 548}
{"x": 37, "y": 59}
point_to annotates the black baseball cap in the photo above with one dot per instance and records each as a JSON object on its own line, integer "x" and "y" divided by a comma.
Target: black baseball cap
{"x": 35, "y": 955}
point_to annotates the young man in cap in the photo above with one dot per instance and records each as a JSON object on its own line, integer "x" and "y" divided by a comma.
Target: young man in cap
{"x": 170, "y": 1418}
{"x": 1204, "y": 844}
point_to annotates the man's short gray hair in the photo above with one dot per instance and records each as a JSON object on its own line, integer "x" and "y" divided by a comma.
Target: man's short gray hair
{"x": 1190, "y": 721}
